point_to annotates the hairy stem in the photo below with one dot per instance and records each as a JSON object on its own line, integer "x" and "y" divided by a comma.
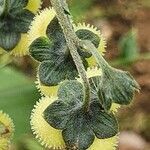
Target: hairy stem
{"x": 89, "y": 46}
{"x": 72, "y": 40}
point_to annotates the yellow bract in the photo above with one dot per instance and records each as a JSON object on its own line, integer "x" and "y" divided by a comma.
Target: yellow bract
{"x": 40, "y": 23}
{"x": 4, "y": 143}
{"x": 37, "y": 29}
{"x": 6, "y": 131}
{"x": 104, "y": 144}
{"x": 47, "y": 135}
{"x": 46, "y": 90}
{"x": 52, "y": 138}
{"x": 8, "y": 123}
{"x": 92, "y": 72}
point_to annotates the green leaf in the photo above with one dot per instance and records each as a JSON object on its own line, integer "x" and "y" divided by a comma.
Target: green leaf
{"x": 84, "y": 34}
{"x": 53, "y": 72}
{"x": 55, "y": 32}
{"x": 103, "y": 124}
{"x": 23, "y": 20}
{"x": 78, "y": 134}
{"x": 84, "y": 54}
{"x": 70, "y": 94}
{"x": 66, "y": 113}
{"x": 8, "y": 40}
{"x": 1, "y": 24}
{"x": 14, "y": 20}
{"x": 78, "y": 126}
{"x": 17, "y": 5}
{"x": 56, "y": 61}
{"x": 18, "y": 95}
{"x": 59, "y": 112}
{"x": 118, "y": 86}
{"x": 40, "y": 49}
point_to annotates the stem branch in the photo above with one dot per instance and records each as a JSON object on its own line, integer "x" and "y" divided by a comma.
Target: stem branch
{"x": 72, "y": 40}
{"x": 89, "y": 46}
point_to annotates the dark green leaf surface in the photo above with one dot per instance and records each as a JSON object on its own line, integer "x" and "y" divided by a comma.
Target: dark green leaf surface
{"x": 118, "y": 86}
{"x": 70, "y": 91}
{"x": 78, "y": 134}
{"x": 2, "y": 7}
{"x": 17, "y": 4}
{"x": 23, "y": 20}
{"x": 59, "y": 112}
{"x": 84, "y": 34}
{"x": 14, "y": 20}
{"x": 103, "y": 124}
{"x": 53, "y": 72}
{"x": 55, "y": 31}
{"x": 40, "y": 49}
{"x": 8, "y": 40}
{"x": 79, "y": 127}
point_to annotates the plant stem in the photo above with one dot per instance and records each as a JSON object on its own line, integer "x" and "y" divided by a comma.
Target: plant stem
{"x": 89, "y": 46}
{"x": 72, "y": 40}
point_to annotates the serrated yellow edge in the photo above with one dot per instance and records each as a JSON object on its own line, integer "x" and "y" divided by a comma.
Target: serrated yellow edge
{"x": 40, "y": 23}
{"x": 21, "y": 48}
{"x": 4, "y": 143}
{"x": 37, "y": 29}
{"x": 7, "y": 122}
{"x": 105, "y": 144}
{"x": 46, "y": 90}
{"x": 52, "y": 138}
{"x": 47, "y": 135}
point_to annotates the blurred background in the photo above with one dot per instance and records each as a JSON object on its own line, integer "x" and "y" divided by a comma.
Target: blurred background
{"x": 125, "y": 25}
